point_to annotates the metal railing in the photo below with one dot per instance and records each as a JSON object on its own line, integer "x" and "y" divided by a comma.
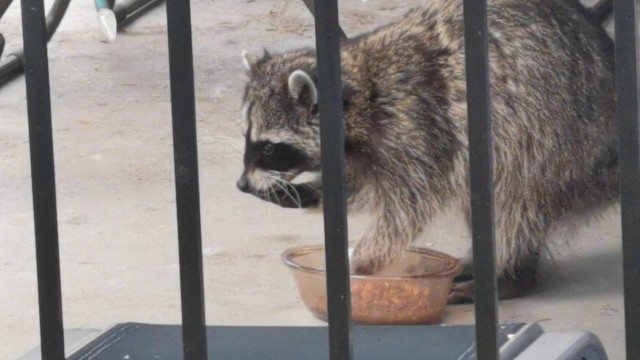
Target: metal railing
{"x": 481, "y": 177}
{"x": 625, "y": 12}
{"x": 43, "y": 178}
{"x": 332, "y": 134}
{"x": 328, "y": 34}
{"x": 185, "y": 153}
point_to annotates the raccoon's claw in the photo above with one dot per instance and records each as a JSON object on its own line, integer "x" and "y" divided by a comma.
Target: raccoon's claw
{"x": 363, "y": 268}
{"x": 364, "y": 265}
{"x": 462, "y": 290}
{"x": 461, "y": 293}
{"x": 465, "y": 275}
{"x": 509, "y": 287}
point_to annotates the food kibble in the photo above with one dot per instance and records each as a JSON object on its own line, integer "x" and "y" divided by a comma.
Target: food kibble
{"x": 386, "y": 302}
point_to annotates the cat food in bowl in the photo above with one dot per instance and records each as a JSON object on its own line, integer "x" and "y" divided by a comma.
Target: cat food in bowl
{"x": 413, "y": 290}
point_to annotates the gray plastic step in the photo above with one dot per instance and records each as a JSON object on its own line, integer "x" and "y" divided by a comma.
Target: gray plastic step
{"x": 146, "y": 341}
{"x": 74, "y": 340}
{"x": 565, "y": 346}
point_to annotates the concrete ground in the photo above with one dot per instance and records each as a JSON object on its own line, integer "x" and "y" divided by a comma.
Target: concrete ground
{"x": 114, "y": 166}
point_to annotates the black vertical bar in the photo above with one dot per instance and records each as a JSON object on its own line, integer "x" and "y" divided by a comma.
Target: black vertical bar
{"x": 627, "y": 98}
{"x": 481, "y": 177}
{"x": 332, "y": 137}
{"x": 311, "y": 6}
{"x": 186, "y": 177}
{"x": 43, "y": 180}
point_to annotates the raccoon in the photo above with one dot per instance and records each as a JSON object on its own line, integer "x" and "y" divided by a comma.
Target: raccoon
{"x": 407, "y": 155}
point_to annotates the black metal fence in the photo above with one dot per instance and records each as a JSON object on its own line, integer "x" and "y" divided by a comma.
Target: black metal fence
{"x": 625, "y": 13}
{"x": 328, "y": 34}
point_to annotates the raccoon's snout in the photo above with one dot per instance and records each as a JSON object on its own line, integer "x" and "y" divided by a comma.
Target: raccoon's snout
{"x": 243, "y": 184}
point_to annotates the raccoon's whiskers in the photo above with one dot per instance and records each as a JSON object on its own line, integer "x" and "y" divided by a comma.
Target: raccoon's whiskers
{"x": 295, "y": 191}
{"x": 267, "y": 193}
{"x": 232, "y": 142}
{"x": 285, "y": 186}
{"x": 289, "y": 174}
{"x": 272, "y": 191}
{"x": 296, "y": 200}
{"x": 281, "y": 174}
{"x": 232, "y": 158}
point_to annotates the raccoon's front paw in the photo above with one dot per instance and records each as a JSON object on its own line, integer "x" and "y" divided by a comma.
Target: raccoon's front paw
{"x": 362, "y": 267}
{"x": 365, "y": 263}
{"x": 509, "y": 286}
{"x": 462, "y": 289}
{"x": 461, "y": 292}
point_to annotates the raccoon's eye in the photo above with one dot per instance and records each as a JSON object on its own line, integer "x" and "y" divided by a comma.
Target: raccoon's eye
{"x": 268, "y": 150}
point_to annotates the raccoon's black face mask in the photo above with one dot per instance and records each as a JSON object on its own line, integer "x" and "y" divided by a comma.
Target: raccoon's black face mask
{"x": 279, "y": 173}
{"x": 282, "y": 157}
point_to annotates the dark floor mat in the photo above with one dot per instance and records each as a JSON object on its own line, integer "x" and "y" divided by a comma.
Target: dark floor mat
{"x": 134, "y": 341}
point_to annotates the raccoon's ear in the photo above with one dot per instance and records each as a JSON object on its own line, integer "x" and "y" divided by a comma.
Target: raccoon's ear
{"x": 302, "y": 88}
{"x": 248, "y": 59}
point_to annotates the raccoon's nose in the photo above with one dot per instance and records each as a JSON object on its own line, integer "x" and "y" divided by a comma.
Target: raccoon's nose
{"x": 242, "y": 184}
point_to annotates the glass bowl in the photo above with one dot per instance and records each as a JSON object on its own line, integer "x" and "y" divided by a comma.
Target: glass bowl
{"x": 413, "y": 290}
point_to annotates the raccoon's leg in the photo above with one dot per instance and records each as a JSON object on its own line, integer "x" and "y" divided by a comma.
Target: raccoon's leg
{"x": 391, "y": 234}
{"x": 520, "y": 237}
{"x": 397, "y": 223}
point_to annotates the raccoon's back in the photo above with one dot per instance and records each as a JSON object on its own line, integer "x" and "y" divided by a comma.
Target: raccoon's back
{"x": 532, "y": 42}
{"x": 551, "y": 83}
